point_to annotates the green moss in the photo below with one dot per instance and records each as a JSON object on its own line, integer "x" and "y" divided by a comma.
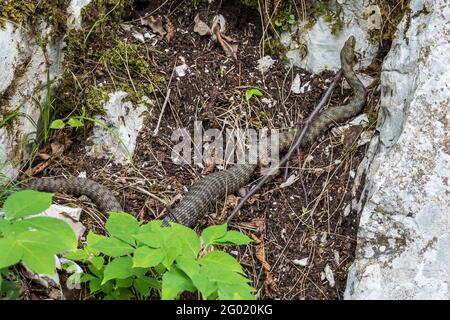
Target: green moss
{"x": 29, "y": 11}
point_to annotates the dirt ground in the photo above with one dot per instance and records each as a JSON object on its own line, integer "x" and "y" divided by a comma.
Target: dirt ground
{"x": 304, "y": 236}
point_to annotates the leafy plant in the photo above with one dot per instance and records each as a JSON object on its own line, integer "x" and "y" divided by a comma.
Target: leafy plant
{"x": 9, "y": 285}
{"x": 138, "y": 258}
{"x": 285, "y": 22}
{"x": 252, "y": 92}
{"x": 30, "y": 239}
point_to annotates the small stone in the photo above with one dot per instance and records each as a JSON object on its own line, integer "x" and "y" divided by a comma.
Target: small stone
{"x": 295, "y": 87}
{"x": 302, "y": 262}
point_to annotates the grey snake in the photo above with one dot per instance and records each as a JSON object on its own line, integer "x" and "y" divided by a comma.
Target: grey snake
{"x": 204, "y": 193}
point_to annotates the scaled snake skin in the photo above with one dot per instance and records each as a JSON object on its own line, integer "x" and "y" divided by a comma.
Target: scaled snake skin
{"x": 204, "y": 193}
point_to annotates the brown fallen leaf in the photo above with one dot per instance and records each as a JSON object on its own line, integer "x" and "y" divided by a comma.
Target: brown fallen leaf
{"x": 230, "y": 49}
{"x": 155, "y": 24}
{"x": 200, "y": 27}
{"x": 260, "y": 254}
{"x": 170, "y": 29}
{"x": 43, "y": 155}
{"x": 57, "y": 149}
{"x": 232, "y": 201}
{"x": 38, "y": 168}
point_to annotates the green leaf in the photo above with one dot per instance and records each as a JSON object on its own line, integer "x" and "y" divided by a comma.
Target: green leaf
{"x": 122, "y": 226}
{"x": 79, "y": 254}
{"x": 113, "y": 247}
{"x": 119, "y": 268}
{"x": 91, "y": 240}
{"x": 175, "y": 282}
{"x": 192, "y": 269}
{"x": 236, "y": 292}
{"x": 222, "y": 260}
{"x": 95, "y": 285}
{"x": 63, "y": 237}
{"x": 10, "y": 253}
{"x": 26, "y": 202}
{"x": 143, "y": 285}
{"x": 74, "y": 122}
{"x": 98, "y": 262}
{"x": 39, "y": 248}
{"x": 39, "y": 260}
{"x": 170, "y": 254}
{"x": 57, "y": 124}
{"x": 233, "y": 238}
{"x": 124, "y": 283}
{"x": 188, "y": 265}
{"x": 252, "y": 92}
{"x": 212, "y": 233}
{"x": 204, "y": 285}
{"x": 120, "y": 294}
{"x": 87, "y": 277}
{"x": 185, "y": 238}
{"x": 145, "y": 257}
{"x": 152, "y": 239}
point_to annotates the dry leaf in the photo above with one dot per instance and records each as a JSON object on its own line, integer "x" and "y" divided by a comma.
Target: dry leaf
{"x": 230, "y": 49}
{"x": 257, "y": 224}
{"x": 261, "y": 256}
{"x": 44, "y": 156}
{"x": 38, "y": 168}
{"x": 200, "y": 27}
{"x": 170, "y": 29}
{"x": 57, "y": 149}
{"x": 155, "y": 24}
{"x": 232, "y": 201}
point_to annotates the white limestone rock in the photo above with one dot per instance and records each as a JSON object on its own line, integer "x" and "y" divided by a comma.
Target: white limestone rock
{"x": 23, "y": 83}
{"x": 403, "y": 244}
{"x": 323, "y": 47}
{"x": 74, "y": 10}
{"x": 124, "y": 121}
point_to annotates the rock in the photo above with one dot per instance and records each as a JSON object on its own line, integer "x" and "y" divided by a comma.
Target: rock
{"x": 403, "y": 242}
{"x": 265, "y": 63}
{"x": 74, "y": 10}
{"x": 124, "y": 121}
{"x": 323, "y": 47}
{"x": 23, "y": 82}
{"x": 296, "y": 83}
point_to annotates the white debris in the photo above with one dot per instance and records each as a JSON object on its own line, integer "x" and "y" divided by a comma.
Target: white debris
{"x": 180, "y": 71}
{"x": 301, "y": 262}
{"x": 265, "y": 63}
{"x": 139, "y": 36}
{"x": 292, "y": 179}
{"x": 329, "y": 275}
{"x": 296, "y": 83}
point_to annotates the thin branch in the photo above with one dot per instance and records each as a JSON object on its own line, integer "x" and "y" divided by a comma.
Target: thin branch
{"x": 294, "y": 147}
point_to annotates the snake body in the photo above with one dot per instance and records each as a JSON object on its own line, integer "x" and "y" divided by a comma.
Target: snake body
{"x": 204, "y": 193}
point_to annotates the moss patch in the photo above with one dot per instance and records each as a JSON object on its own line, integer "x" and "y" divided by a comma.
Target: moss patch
{"x": 29, "y": 11}
{"x": 98, "y": 61}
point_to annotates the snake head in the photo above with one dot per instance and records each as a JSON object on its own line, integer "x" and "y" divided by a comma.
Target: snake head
{"x": 348, "y": 50}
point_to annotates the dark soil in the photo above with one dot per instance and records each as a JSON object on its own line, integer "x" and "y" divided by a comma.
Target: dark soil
{"x": 303, "y": 220}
